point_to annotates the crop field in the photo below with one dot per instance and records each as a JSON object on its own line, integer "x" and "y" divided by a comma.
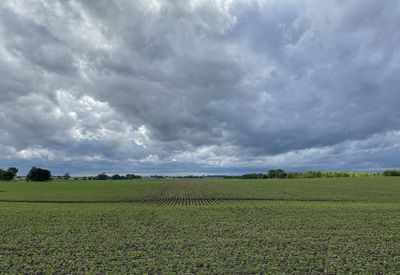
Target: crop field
{"x": 335, "y": 225}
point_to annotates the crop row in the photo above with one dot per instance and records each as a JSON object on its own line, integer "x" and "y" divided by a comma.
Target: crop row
{"x": 182, "y": 193}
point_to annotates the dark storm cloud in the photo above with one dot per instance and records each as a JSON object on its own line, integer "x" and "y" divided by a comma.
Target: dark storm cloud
{"x": 197, "y": 85}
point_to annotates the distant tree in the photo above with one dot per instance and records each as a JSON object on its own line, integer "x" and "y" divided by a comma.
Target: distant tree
{"x": 13, "y": 170}
{"x": 157, "y": 176}
{"x": 116, "y": 177}
{"x": 102, "y": 176}
{"x": 132, "y": 176}
{"x": 231, "y": 177}
{"x": 66, "y": 176}
{"x": 276, "y": 173}
{"x": 9, "y": 174}
{"x": 293, "y": 175}
{"x": 391, "y": 173}
{"x": 311, "y": 174}
{"x": 252, "y": 176}
{"x": 38, "y": 174}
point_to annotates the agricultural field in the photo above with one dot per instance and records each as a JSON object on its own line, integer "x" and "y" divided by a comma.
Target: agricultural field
{"x": 334, "y": 225}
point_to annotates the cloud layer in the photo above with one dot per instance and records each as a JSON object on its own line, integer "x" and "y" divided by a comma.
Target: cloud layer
{"x": 199, "y": 86}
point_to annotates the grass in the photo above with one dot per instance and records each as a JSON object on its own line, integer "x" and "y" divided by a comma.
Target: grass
{"x": 202, "y": 226}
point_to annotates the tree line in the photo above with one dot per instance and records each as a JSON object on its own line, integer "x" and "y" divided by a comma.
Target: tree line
{"x": 391, "y": 173}
{"x": 35, "y": 174}
{"x": 281, "y": 174}
{"x": 104, "y": 176}
{"x": 40, "y": 174}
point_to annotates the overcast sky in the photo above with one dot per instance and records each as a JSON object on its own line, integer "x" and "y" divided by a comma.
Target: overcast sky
{"x": 154, "y": 86}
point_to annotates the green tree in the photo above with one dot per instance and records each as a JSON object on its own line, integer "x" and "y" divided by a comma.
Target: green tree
{"x": 391, "y": 173}
{"x": 38, "y": 174}
{"x": 252, "y": 176}
{"x": 116, "y": 177}
{"x": 102, "y": 176}
{"x": 132, "y": 176}
{"x": 9, "y": 174}
{"x": 13, "y": 170}
{"x": 276, "y": 173}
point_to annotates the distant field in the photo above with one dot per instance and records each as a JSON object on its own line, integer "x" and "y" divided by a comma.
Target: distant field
{"x": 338, "y": 225}
{"x": 371, "y": 189}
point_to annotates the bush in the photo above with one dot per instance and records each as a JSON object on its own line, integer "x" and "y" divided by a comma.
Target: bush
{"x": 38, "y": 174}
{"x": 391, "y": 173}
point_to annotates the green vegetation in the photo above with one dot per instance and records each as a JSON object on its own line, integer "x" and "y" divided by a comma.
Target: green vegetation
{"x": 369, "y": 189}
{"x": 250, "y": 176}
{"x": 38, "y": 174}
{"x": 9, "y": 174}
{"x": 281, "y": 174}
{"x": 329, "y": 174}
{"x": 277, "y": 174}
{"x": 104, "y": 176}
{"x": 391, "y": 173}
{"x": 322, "y": 225}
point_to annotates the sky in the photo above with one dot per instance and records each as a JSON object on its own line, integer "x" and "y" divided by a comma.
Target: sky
{"x": 192, "y": 87}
